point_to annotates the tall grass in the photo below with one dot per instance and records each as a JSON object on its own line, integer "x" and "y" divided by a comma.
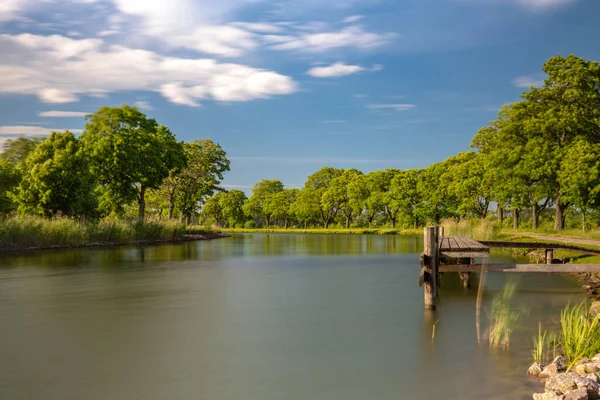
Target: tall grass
{"x": 580, "y": 333}
{"x": 502, "y": 318}
{"x": 539, "y": 345}
{"x": 35, "y": 232}
{"x": 479, "y": 229}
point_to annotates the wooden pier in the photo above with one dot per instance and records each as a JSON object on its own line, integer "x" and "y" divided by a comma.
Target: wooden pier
{"x": 458, "y": 254}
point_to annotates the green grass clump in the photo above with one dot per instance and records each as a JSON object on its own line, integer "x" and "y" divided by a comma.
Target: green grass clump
{"x": 580, "y": 333}
{"x": 480, "y": 229}
{"x": 539, "y": 345}
{"x": 502, "y": 318}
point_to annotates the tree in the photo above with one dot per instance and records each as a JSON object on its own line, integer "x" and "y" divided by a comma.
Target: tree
{"x": 232, "y": 205}
{"x": 280, "y": 205}
{"x": 130, "y": 154}
{"x": 403, "y": 189}
{"x": 318, "y": 183}
{"x": 436, "y": 204}
{"x": 57, "y": 179}
{"x": 9, "y": 180}
{"x": 257, "y": 205}
{"x": 213, "y": 208}
{"x": 338, "y": 195}
{"x": 579, "y": 176}
{"x": 15, "y": 151}
{"x": 306, "y": 206}
{"x": 206, "y": 164}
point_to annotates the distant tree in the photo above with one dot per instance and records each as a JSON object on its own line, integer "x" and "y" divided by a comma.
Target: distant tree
{"x": 338, "y": 195}
{"x": 15, "y": 151}
{"x": 280, "y": 205}
{"x": 57, "y": 179}
{"x": 213, "y": 208}
{"x": 129, "y": 154}
{"x": 318, "y": 183}
{"x": 9, "y": 181}
{"x": 232, "y": 205}
{"x": 257, "y": 205}
{"x": 403, "y": 189}
{"x": 307, "y": 206}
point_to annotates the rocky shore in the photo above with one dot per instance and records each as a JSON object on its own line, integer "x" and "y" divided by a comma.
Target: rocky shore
{"x": 582, "y": 382}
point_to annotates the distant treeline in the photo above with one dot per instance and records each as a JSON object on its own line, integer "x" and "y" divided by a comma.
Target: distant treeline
{"x": 541, "y": 154}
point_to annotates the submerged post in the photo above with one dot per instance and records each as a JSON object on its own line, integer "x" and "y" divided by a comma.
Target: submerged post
{"x": 430, "y": 265}
{"x": 549, "y": 256}
{"x": 465, "y": 277}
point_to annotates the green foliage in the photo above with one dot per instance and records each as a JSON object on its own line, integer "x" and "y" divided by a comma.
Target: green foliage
{"x": 213, "y": 209}
{"x": 502, "y": 318}
{"x": 9, "y": 180}
{"x": 129, "y": 154}
{"x": 57, "y": 179}
{"x": 316, "y": 187}
{"x": 15, "y": 151}
{"x": 580, "y": 333}
{"x": 232, "y": 204}
{"x": 539, "y": 345}
{"x": 338, "y": 195}
{"x": 279, "y": 205}
{"x": 257, "y": 205}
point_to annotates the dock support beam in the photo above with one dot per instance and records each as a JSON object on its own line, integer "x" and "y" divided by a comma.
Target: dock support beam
{"x": 549, "y": 256}
{"x": 465, "y": 277}
{"x": 430, "y": 264}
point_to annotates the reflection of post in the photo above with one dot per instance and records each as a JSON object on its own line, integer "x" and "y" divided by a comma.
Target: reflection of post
{"x": 478, "y": 306}
{"x": 430, "y": 265}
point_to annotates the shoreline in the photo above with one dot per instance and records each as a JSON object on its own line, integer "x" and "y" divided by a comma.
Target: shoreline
{"x": 185, "y": 238}
{"x": 331, "y": 231}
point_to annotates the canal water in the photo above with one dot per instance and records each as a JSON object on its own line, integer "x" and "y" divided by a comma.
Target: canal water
{"x": 258, "y": 317}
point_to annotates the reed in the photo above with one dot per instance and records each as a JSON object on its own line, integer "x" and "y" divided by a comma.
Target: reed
{"x": 539, "y": 345}
{"x": 580, "y": 333}
{"x": 502, "y": 318}
{"x": 475, "y": 229}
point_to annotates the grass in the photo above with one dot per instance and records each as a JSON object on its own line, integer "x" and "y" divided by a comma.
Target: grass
{"x": 34, "y": 232}
{"x": 502, "y": 318}
{"x": 474, "y": 229}
{"x": 333, "y": 231}
{"x": 539, "y": 345}
{"x": 580, "y": 333}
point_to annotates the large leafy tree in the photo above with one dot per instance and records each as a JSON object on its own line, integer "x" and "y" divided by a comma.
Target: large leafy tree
{"x": 317, "y": 184}
{"x": 58, "y": 179}
{"x": 9, "y": 180}
{"x": 16, "y": 150}
{"x": 186, "y": 189}
{"x": 306, "y": 207}
{"x": 280, "y": 205}
{"x": 339, "y": 196}
{"x": 129, "y": 154}
{"x": 213, "y": 208}
{"x": 257, "y": 206}
{"x": 403, "y": 189}
{"x": 232, "y": 205}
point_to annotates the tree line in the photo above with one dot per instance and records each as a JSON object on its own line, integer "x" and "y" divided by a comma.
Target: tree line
{"x": 542, "y": 153}
{"x": 123, "y": 163}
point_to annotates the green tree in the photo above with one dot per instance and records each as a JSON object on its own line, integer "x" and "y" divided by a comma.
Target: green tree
{"x": 213, "y": 208}
{"x": 58, "y": 179}
{"x": 579, "y": 176}
{"x": 318, "y": 183}
{"x": 9, "y": 181}
{"x": 403, "y": 189}
{"x": 16, "y": 150}
{"x": 338, "y": 195}
{"x": 129, "y": 154}
{"x": 280, "y": 205}
{"x": 257, "y": 205}
{"x": 306, "y": 207}
{"x": 232, "y": 205}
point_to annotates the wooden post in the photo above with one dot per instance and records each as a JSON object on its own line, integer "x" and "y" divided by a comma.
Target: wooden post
{"x": 430, "y": 253}
{"x": 465, "y": 277}
{"x": 549, "y": 256}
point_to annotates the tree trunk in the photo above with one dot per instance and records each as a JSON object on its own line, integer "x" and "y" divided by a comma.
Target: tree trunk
{"x": 393, "y": 222}
{"x": 171, "y": 203}
{"x": 285, "y": 224}
{"x": 485, "y": 210}
{"x": 142, "y": 203}
{"x": 305, "y": 223}
{"x": 559, "y": 217}
{"x": 534, "y": 217}
{"x": 500, "y": 214}
{"x": 515, "y": 219}
{"x": 415, "y": 223}
{"x": 347, "y": 221}
{"x": 325, "y": 223}
{"x": 583, "y": 219}
{"x": 267, "y": 219}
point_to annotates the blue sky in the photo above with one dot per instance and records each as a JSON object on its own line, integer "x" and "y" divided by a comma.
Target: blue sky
{"x": 289, "y": 86}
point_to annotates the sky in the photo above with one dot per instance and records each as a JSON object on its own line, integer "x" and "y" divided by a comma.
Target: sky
{"x": 287, "y": 86}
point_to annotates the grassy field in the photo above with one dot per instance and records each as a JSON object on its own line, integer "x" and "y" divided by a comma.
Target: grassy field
{"x": 352, "y": 231}
{"x": 37, "y": 233}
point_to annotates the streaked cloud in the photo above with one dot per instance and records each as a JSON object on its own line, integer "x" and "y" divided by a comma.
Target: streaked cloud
{"x": 62, "y": 114}
{"x": 143, "y": 105}
{"x": 527, "y": 81}
{"x": 395, "y": 107}
{"x": 353, "y": 18}
{"x": 32, "y": 130}
{"x": 335, "y": 70}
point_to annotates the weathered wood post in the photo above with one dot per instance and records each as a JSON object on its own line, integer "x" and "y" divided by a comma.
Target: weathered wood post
{"x": 430, "y": 264}
{"x": 465, "y": 277}
{"x": 549, "y": 256}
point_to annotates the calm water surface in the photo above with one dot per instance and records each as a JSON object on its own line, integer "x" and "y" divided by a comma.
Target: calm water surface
{"x": 264, "y": 317}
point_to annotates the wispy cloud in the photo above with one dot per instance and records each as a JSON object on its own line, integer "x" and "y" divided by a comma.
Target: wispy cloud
{"x": 31, "y": 130}
{"x": 527, "y": 81}
{"x": 541, "y": 5}
{"x": 143, "y": 105}
{"x": 335, "y": 70}
{"x": 353, "y": 18}
{"x": 396, "y": 107}
{"x": 62, "y": 114}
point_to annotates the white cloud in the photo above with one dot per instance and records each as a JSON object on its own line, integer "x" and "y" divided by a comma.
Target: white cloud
{"x": 263, "y": 27}
{"x": 143, "y": 105}
{"x": 32, "y": 130}
{"x": 396, "y": 107}
{"x": 335, "y": 70}
{"x": 352, "y": 36}
{"x": 543, "y": 4}
{"x": 9, "y": 9}
{"x": 527, "y": 81}
{"x": 62, "y": 114}
{"x": 353, "y": 18}
{"x": 59, "y": 69}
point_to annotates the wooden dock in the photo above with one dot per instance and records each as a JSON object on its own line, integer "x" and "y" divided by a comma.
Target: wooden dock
{"x": 458, "y": 254}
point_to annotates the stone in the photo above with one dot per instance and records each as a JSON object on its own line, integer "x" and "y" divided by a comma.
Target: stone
{"x": 548, "y": 396}
{"x": 593, "y": 377}
{"x": 592, "y": 387}
{"x": 587, "y": 368}
{"x": 595, "y": 308}
{"x": 586, "y": 287}
{"x": 596, "y": 358}
{"x": 578, "y": 394}
{"x": 562, "y": 383}
{"x": 535, "y": 369}
{"x": 558, "y": 365}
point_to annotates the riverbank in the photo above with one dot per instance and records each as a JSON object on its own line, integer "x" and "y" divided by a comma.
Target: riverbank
{"x": 333, "y": 231}
{"x": 32, "y": 233}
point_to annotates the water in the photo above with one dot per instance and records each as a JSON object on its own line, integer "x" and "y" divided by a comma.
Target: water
{"x": 257, "y": 317}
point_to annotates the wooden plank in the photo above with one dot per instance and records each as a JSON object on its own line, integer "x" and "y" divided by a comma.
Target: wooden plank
{"x": 455, "y": 244}
{"x": 548, "y": 268}
{"x": 465, "y": 254}
{"x": 538, "y": 245}
{"x": 445, "y": 245}
{"x": 475, "y": 244}
{"x": 462, "y": 245}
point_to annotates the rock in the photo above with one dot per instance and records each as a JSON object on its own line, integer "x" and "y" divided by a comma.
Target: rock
{"x": 587, "y": 368}
{"x": 578, "y": 394}
{"x": 535, "y": 369}
{"x": 562, "y": 383}
{"x": 548, "y": 396}
{"x": 558, "y": 365}
{"x": 586, "y": 288}
{"x": 592, "y": 388}
{"x": 595, "y": 308}
{"x": 596, "y": 358}
{"x": 593, "y": 377}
